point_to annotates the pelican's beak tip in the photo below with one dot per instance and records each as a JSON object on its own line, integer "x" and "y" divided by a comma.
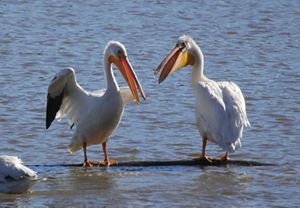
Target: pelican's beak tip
{"x": 160, "y": 80}
{"x": 143, "y": 96}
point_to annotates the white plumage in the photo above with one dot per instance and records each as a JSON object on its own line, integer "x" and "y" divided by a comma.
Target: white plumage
{"x": 83, "y": 108}
{"x": 95, "y": 114}
{"x": 14, "y": 176}
{"x": 220, "y": 106}
{"x": 220, "y": 113}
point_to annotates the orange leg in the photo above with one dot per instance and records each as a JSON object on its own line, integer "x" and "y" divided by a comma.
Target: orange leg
{"x": 204, "y": 142}
{"x": 224, "y": 158}
{"x": 86, "y": 163}
{"x": 106, "y": 161}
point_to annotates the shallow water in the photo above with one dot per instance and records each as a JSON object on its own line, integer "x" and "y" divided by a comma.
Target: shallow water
{"x": 254, "y": 43}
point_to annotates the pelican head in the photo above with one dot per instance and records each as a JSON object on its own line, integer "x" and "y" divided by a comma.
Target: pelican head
{"x": 115, "y": 52}
{"x": 184, "y": 54}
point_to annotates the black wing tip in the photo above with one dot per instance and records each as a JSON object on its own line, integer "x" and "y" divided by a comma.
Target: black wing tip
{"x": 49, "y": 119}
{"x": 53, "y": 106}
{"x": 48, "y": 124}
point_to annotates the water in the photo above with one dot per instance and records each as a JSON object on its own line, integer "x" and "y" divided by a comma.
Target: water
{"x": 253, "y": 43}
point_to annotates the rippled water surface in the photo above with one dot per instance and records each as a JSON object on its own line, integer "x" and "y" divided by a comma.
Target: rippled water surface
{"x": 253, "y": 43}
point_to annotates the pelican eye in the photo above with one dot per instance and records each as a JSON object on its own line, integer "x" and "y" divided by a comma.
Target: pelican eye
{"x": 181, "y": 45}
{"x": 120, "y": 54}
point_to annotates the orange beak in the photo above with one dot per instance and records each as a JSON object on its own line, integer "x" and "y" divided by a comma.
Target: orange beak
{"x": 126, "y": 69}
{"x": 177, "y": 59}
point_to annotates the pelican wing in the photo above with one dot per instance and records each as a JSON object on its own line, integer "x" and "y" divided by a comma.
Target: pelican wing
{"x": 98, "y": 93}
{"x": 220, "y": 112}
{"x": 210, "y": 109}
{"x": 126, "y": 94}
{"x": 66, "y": 98}
{"x": 53, "y": 106}
{"x": 235, "y": 102}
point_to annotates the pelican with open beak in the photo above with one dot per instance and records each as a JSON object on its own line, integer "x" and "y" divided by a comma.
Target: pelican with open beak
{"x": 220, "y": 106}
{"x": 95, "y": 114}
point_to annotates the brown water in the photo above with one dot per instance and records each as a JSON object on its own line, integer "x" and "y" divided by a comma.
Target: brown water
{"x": 254, "y": 43}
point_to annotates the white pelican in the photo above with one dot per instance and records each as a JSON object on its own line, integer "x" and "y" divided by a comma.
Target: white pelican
{"x": 96, "y": 115}
{"x": 220, "y": 106}
{"x": 15, "y": 178}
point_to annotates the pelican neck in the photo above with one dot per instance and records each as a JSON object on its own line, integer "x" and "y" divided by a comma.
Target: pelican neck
{"x": 111, "y": 82}
{"x": 197, "y": 68}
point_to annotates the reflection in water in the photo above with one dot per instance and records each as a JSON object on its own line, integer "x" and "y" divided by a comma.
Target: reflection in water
{"x": 91, "y": 180}
{"x": 222, "y": 182}
{"x": 9, "y": 200}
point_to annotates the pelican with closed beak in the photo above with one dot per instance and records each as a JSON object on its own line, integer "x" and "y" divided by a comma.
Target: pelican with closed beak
{"x": 95, "y": 114}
